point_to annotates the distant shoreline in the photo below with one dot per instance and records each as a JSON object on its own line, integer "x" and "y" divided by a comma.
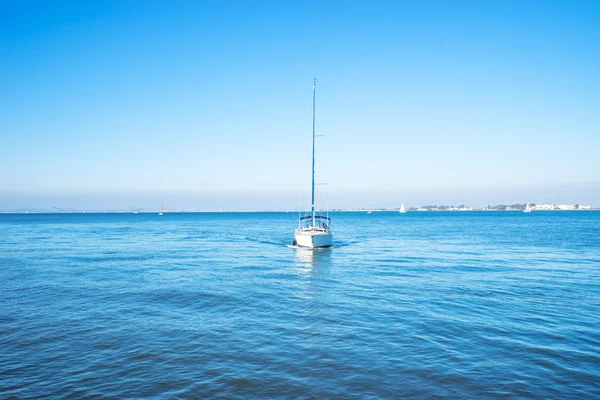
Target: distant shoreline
{"x": 272, "y": 211}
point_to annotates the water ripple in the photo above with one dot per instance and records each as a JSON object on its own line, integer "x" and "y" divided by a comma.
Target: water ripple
{"x": 421, "y": 305}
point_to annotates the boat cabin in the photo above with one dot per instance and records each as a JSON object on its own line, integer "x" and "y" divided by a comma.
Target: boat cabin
{"x": 322, "y": 223}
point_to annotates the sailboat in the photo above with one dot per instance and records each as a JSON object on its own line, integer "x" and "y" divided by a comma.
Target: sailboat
{"x": 527, "y": 208}
{"x": 402, "y": 209}
{"x": 161, "y": 210}
{"x": 313, "y": 230}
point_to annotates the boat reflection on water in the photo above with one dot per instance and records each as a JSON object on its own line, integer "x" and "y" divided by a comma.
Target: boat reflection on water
{"x": 318, "y": 261}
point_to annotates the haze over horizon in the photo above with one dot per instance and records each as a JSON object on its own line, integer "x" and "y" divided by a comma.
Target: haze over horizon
{"x": 201, "y": 105}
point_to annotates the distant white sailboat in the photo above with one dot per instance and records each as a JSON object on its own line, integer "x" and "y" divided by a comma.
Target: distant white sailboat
{"x": 402, "y": 209}
{"x": 313, "y": 230}
{"x": 161, "y": 210}
{"x": 527, "y": 208}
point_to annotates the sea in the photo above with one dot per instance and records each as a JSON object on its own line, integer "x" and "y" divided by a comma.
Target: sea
{"x": 422, "y": 305}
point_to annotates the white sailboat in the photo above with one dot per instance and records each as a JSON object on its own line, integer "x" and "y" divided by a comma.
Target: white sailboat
{"x": 161, "y": 210}
{"x": 402, "y": 209}
{"x": 313, "y": 230}
{"x": 527, "y": 208}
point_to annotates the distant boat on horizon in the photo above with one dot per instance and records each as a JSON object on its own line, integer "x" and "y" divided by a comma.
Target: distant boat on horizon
{"x": 316, "y": 231}
{"x": 161, "y": 210}
{"x": 402, "y": 209}
{"x": 527, "y": 208}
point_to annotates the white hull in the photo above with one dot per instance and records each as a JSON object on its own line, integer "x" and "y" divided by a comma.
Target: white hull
{"x": 312, "y": 239}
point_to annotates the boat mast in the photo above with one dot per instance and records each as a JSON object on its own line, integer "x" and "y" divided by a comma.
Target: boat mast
{"x": 312, "y": 205}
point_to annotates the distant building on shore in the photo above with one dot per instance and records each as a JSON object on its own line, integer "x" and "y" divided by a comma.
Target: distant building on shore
{"x": 560, "y": 207}
{"x": 565, "y": 207}
{"x": 543, "y": 207}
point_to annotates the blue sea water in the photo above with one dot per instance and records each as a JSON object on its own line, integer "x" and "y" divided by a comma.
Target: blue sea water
{"x": 421, "y": 305}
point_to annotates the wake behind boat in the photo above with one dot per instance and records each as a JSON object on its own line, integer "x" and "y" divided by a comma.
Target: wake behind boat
{"x": 313, "y": 230}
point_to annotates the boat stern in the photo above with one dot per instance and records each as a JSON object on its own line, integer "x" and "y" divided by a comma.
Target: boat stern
{"x": 311, "y": 240}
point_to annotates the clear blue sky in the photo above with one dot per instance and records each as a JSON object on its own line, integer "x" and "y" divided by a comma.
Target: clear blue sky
{"x": 201, "y": 105}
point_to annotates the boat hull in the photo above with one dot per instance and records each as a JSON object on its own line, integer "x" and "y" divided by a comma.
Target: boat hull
{"x": 313, "y": 240}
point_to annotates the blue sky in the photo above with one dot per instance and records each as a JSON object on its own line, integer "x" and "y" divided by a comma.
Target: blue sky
{"x": 203, "y": 105}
